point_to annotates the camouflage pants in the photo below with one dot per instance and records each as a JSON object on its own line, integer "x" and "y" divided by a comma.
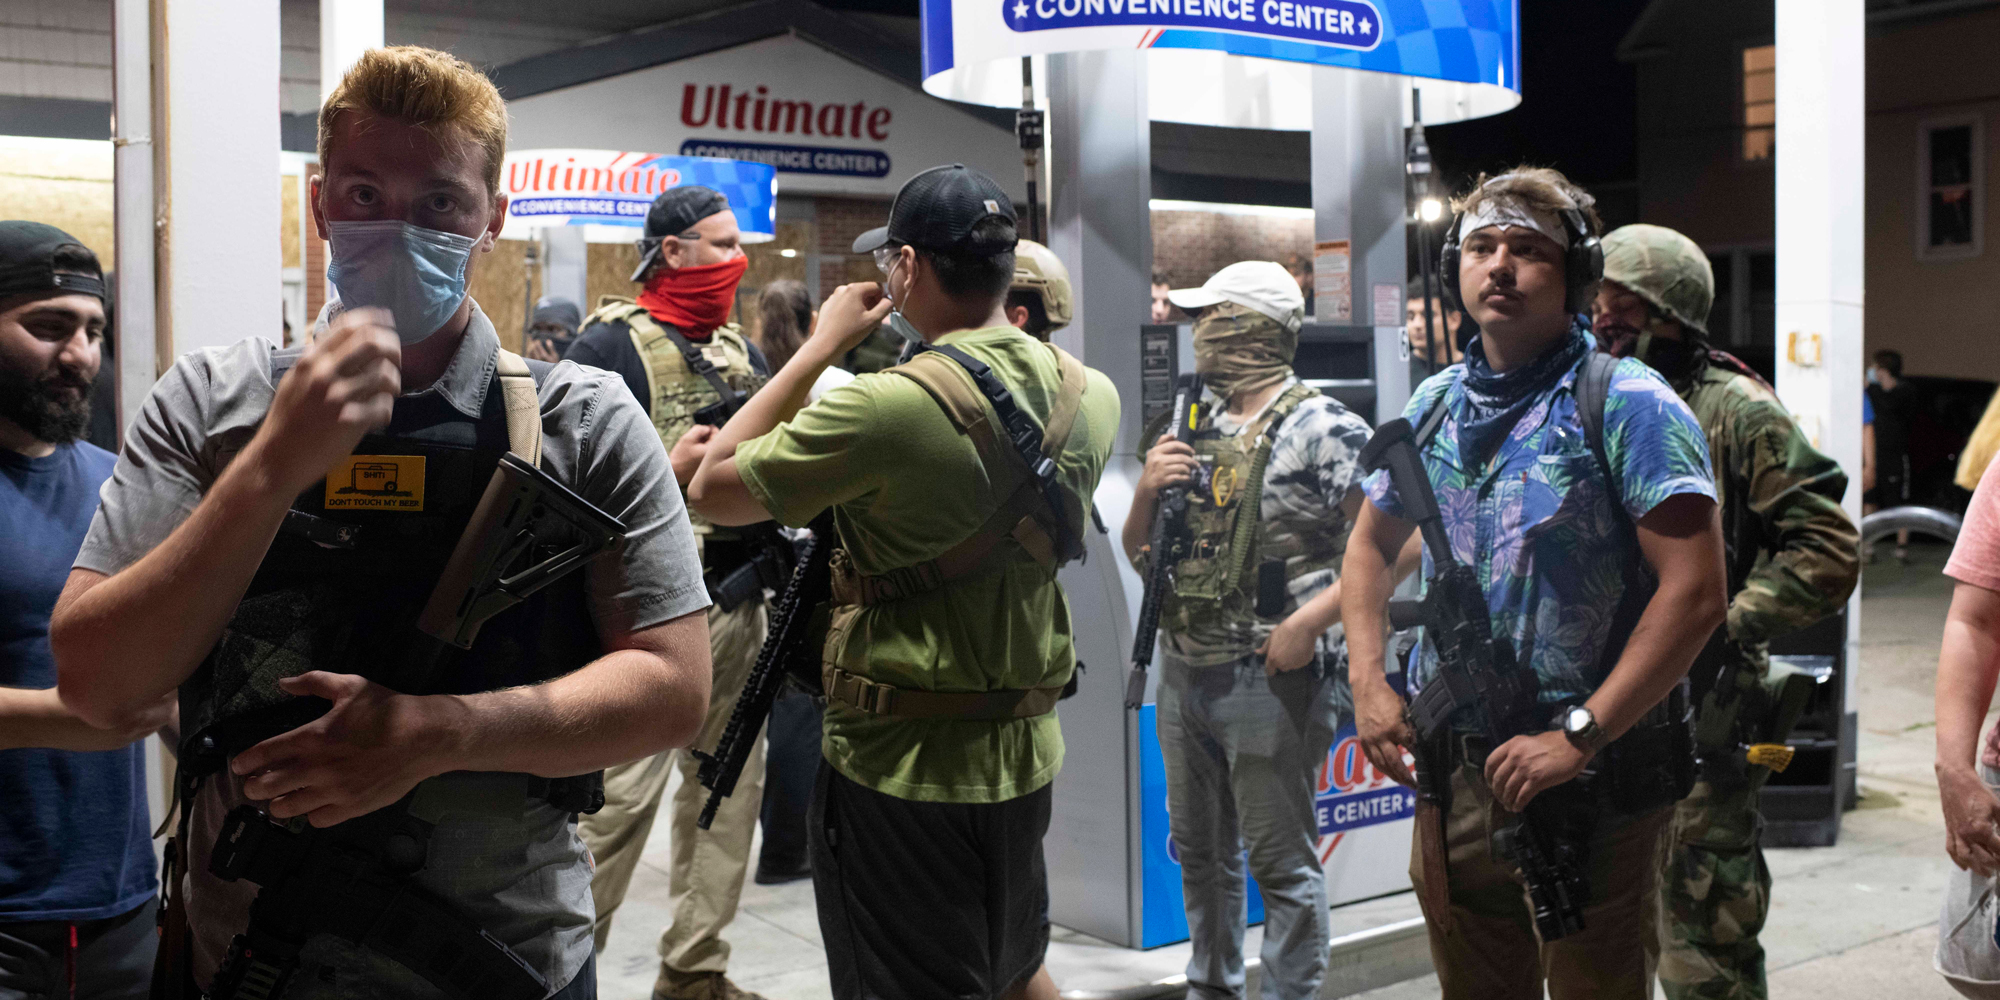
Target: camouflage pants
{"x": 1714, "y": 894}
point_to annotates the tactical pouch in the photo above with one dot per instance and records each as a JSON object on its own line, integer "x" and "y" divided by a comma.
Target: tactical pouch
{"x": 1653, "y": 764}
{"x": 1271, "y": 590}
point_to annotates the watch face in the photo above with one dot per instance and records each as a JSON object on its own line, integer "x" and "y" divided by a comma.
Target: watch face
{"x": 1578, "y": 720}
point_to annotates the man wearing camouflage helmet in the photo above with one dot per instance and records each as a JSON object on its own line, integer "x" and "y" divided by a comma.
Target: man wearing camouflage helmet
{"x": 1038, "y": 300}
{"x": 1251, "y": 689}
{"x": 1792, "y": 559}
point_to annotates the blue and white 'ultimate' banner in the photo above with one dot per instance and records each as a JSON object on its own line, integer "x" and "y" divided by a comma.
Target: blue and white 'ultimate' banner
{"x": 972, "y": 48}
{"x": 609, "y": 191}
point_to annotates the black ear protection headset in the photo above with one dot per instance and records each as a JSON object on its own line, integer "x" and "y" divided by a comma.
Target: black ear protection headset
{"x": 1583, "y": 263}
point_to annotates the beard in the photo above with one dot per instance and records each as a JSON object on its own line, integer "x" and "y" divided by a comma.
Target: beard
{"x": 42, "y": 404}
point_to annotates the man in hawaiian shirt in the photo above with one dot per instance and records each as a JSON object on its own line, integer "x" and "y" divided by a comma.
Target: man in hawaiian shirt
{"x": 1550, "y": 532}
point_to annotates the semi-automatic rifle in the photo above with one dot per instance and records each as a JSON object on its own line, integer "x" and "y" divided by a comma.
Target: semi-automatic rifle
{"x": 1168, "y": 545}
{"x": 1479, "y": 682}
{"x": 793, "y": 643}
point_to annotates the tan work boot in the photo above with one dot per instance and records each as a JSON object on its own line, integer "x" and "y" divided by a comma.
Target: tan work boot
{"x": 676, "y": 985}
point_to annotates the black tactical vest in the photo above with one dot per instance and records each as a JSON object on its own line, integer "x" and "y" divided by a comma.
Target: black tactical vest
{"x": 342, "y": 584}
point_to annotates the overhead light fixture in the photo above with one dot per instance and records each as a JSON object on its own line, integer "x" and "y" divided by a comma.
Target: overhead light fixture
{"x": 1432, "y": 209}
{"x": 788, "y": 252}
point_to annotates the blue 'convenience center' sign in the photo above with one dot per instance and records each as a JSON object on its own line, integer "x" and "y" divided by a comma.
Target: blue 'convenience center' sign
{"x": 1349, "y": 24}
{"x": 968, "y": 44}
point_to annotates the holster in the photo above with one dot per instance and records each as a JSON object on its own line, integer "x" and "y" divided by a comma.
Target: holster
{"x": 1653, "y": 764}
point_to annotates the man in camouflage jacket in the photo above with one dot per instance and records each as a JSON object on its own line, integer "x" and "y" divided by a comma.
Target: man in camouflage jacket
{"x": 1793, "y": 558}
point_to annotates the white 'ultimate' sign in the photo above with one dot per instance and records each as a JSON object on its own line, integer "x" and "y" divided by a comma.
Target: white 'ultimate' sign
{"x": 828, "y": 125}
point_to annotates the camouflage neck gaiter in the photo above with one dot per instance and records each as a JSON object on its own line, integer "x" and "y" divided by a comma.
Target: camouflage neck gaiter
{"x": 1239, "y": 350}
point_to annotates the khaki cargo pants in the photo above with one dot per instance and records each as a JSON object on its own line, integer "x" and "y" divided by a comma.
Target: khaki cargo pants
{"x": 1482, "y": 929}
{"x": 706, "y": 869}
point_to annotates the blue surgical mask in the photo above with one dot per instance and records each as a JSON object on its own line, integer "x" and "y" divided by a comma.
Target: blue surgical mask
{"x": 895, "y": 321}
{"x": 417, "y": 274}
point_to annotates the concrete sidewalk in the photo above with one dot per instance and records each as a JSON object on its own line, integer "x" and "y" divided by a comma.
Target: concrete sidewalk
{"x": 1854, "y": 920}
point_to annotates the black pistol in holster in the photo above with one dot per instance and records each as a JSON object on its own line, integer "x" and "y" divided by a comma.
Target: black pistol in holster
{"x": 353, "y": 880}
{"x": 791, "y": 648}
{"x": 1168, "y": 544}
{"x": 1481, "y": 684}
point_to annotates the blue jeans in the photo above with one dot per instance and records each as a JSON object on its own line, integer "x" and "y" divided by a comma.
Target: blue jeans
{"x": 1242, "y": 754}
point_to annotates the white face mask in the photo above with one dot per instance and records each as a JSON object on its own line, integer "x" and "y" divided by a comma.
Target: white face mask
{"x": 417, "y": 274}
{"x": 1874, "y": 375}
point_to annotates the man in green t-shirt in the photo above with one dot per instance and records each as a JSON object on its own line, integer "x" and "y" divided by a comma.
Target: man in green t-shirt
{"x": 944, "y": 659}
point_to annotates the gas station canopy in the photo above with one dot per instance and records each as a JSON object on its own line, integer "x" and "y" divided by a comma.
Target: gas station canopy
{"x": 1462, "y": 55}
{"x": 607, "y": 192}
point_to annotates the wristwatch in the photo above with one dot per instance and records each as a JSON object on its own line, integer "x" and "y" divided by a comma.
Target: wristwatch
{"x": 1580, "y": 725}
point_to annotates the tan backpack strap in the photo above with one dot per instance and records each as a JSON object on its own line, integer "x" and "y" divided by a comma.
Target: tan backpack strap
{"x": 868, "y": 696}
{"x": 1017, "y": 516}
{"x": 1069, "y": 402}
{"x": 524, "y": 407}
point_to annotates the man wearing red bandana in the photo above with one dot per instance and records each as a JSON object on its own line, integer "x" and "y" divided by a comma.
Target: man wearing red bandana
{"x": 674, "y": 348}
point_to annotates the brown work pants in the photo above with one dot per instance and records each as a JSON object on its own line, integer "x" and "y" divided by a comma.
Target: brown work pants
{"x": 1482, "y": 928}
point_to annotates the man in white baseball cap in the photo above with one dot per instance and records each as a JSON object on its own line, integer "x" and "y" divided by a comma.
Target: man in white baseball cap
{"x": 1263, "y": 285}
{"x": 1252, "y": 658}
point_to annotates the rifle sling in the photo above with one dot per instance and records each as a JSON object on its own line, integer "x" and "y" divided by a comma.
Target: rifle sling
{"x": 697, "y": 363}
{"x": 859, "y": 692}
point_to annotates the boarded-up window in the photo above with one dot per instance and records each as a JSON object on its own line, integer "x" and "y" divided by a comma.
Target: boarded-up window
{"x": 1760, "y": 101}
{"x": 1950, "y": 172}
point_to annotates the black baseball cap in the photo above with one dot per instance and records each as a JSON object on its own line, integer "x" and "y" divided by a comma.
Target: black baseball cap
{"x": 938, "y": 210}
{"x": 28, "y": 262}
{"x": 674, "y": 212}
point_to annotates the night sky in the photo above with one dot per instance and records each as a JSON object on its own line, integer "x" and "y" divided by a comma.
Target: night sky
{"x": 1577, "y": 100}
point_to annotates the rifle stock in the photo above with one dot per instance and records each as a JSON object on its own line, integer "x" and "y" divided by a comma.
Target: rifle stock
{"x": 527, "y": 532}
{"x": 1168, "y": 544}
{"x": 1479, "y": 673}
{"x": 790, "y": 638}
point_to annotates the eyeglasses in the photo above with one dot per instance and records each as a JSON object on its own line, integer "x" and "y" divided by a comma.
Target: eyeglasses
{"x": 885, "y": 258}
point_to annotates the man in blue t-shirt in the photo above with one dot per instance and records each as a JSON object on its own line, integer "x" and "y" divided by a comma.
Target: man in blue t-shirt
{"x": 76, "y": 861}
{"x": 1556, "y": 533}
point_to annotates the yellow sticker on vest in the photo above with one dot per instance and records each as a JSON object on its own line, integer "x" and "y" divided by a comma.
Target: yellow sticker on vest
{"x": 376, "y": 482}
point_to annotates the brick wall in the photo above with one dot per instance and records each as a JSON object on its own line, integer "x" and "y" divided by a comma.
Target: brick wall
{"x": 1190, "y": 246}
{"x": 838, "y": 221}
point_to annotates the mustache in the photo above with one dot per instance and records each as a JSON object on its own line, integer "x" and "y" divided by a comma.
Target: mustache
{"x": 66, "y": 378}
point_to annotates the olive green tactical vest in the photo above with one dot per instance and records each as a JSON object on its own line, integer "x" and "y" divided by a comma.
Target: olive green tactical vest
{"x": 1228, "y": 537}
{"x": 676, "y": 391}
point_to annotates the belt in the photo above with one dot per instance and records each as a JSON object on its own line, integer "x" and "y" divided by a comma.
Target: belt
{"x": 875, "y": 698}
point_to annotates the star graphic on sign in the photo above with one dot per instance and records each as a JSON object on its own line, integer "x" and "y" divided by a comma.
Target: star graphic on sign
{"x": 1365, "y": 27}
{"x": 1021, "y": 10}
